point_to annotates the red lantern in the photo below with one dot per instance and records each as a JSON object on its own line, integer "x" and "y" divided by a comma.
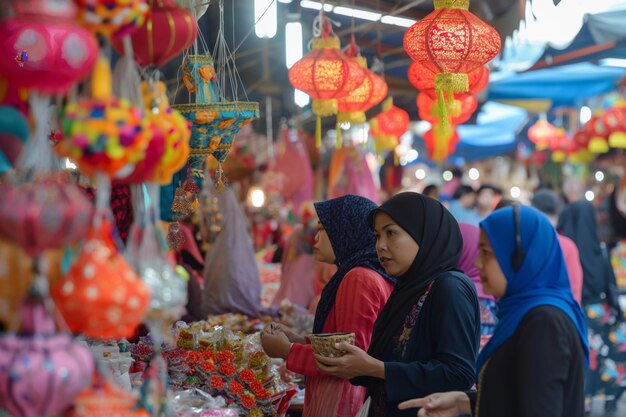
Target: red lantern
{"x": 561, "y": 145}
{"x": 372, "y": 91}
{"x": 542, "y": 133}
{"x": 459, "y": 111}
{"x": 598, "y": 134}
{"x": 393, "y": 121}
{"x": 614, "y": 119}
{"x": 43, "y": 49}
{"x": 167, "y": 31}
{"x": 440, "y": 143}
{"x": 325, "y": 74}
{"x": 451, "y": 42}
{"x": 424, "y": 80}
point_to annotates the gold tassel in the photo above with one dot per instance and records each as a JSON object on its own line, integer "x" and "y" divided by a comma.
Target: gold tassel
{"x": 443, "y": 108}
{"x": 396, "y": 161}
{"x": 219, "y": 186}
{"x": 318, "y": 132}
{"x": 338, "y": 141}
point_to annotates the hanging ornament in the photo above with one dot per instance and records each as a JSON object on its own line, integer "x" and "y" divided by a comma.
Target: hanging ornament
{"x": 440, "y": 142}
{"x": 424, "y": 80}
{"x": 542, "y": 133}
{"x": 41, "y": 370}
{"x": 393, "y": 121}
{"x": 614, "y": 119}
{"x": 459, "y": 111}
{"x": 42, "y": 47}
{"x": 325, "y": 74}
{"x": 598, "y": 134}
{"x": 561, "y": 146}
{"x": 100, "y": 296}
{"x": 167, "y": 31}
{"x": 104, "y": 133}
{"x": 112, "y": 19}
{"x": 451, "y": 42}
{"x": 106, "y": 400}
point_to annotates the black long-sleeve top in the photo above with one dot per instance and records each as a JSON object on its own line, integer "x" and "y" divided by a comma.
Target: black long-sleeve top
{"x": 441, "y": 351}
{"x": 538, "y": 372}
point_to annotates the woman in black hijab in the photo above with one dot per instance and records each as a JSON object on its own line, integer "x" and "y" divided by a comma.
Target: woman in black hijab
{"x": 426, "y": 337}
{"x": 599, "y": 301}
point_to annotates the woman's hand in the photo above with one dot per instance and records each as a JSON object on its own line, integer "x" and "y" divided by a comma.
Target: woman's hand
{"x": 446, "y": 404}
{"x": 356, "y": 362}
{"x": 291, "y": 335}
{"x": 275, "y": 343}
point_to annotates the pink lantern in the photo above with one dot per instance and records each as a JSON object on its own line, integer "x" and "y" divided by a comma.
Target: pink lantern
{"x": 44, "y": 214}
{"x": 43, "y": 49}
{"x": 41, "y": 371}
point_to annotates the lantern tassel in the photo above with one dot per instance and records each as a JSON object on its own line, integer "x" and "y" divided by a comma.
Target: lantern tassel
{"x": 219, "y": 185}
{"x": 396, "y": 160}
{"x": 338, "y": 140}
{"x": 318, "y": 132}
{"x": 443, "y": 108}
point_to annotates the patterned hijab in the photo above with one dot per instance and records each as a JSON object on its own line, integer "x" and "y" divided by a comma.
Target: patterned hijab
{"x": 345, "y": 221}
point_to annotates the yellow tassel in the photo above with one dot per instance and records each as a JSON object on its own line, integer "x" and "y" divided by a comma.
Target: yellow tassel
{"x": 442, "y": 107}
{"x": 396, "y": 160}
{"x": 101, "y": 80}
{"x": 338, "y": 141}
{"x": 219, "y": 186}
{"x": 451, "y": 4}
{"x": 318, "y": 132}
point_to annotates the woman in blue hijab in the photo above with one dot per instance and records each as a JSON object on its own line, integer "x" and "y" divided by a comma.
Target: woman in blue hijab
{"x": 534, "y": 363}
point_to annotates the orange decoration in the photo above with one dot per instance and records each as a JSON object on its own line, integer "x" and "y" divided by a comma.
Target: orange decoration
{"x": 393, "y": 121}
{"x": 106, "y": 401}
{"x": 459, "y": 112}
{"x": 440, "y": 144}
{"x": 542, "y": 134}
{"x": 101, "y": 297}
{"x": 424, "y": 80}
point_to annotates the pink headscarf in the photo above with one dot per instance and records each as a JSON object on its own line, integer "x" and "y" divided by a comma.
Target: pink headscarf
{"x": 468, "y": 256}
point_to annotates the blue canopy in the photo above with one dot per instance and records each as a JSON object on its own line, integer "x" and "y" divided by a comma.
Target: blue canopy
{"x": 565, "y": 85}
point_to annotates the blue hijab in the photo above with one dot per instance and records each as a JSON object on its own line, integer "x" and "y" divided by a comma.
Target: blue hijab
{"x": 345, "y": 221}
{"x": 541, "y": 281}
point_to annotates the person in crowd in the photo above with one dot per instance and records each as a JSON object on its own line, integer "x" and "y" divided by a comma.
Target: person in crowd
{"x": 534, "y": 363}
{"x": 350, "y": 302}
{"x": 599, "y": 300}
{"x": 549, "y": 203}
{"x": 322, "y": 274}
{"x": 431, "y": 191}
{"x": 487, "y": 302}
{"x": 298, "y": 263}
{"x": 426, "y": 338}
{"x": 231, "y": 276}
{"x": 462, "y": 206}
{"x": 487, "y": 197}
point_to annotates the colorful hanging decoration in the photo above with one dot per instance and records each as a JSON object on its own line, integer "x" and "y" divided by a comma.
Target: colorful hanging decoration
{"x": 106, "y": 400}
{"x": 112, "y": 19}
{"x": 424, "y": 80}
{"x": 440, "y": 142}
{"x": 44, "y": 214}
{"x": 42, "y": 47}
{"x": 41, "y": 370}
{"x": 614, "y": 119}
{"x": 100, "y": 296}
{"x": 104, "y": 134}
{"x": 598, "y": 134}
{"x": 214, "y": 121}
{"x": 459, "y": 110}
{"x": 561, "y": 146}
{"x": 451, "y": 42}
{"x": 167, "y": 31}
{"x": 326, "y": 75}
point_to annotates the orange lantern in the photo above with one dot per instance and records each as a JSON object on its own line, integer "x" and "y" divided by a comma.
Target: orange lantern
{"x": 459, "y": 111}
{"x": 101, "y": 297}
{"x": 325, "y": 74}
{"x": 542, "y": 133}
{"x": 106, "y": 400}
{"x": 424, "y": 80}
{"x": 393, "y": 121}
{"x": 372, "y": 91}
{"x": 561, "y": 145}
{"x": 598, "y": 134}
{"x": 451, "y": 42}
{"x": 615, "y": 121}
{"x": 440, "y": 142}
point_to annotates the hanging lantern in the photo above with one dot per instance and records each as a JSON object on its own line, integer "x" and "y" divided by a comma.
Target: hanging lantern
{"x": 393, "y": 121}
{"x": 41, "y": 370}
{"x": 451, "y": 42}
{"x": 561, "y": 145}
{"x": 614, "y": 119}
{"x": 598, "y": 133}
{"x": 167, "y": 31}
{"x": 42, "y": 47}
{"x": 440, "y": 142}
{"x": 101, "y": 297}
{"x": 424, "y": 80}
{"x": 112, "y": 18}
{"x": 372, "y": 91}
{"x": 459, "y": 111}
{"x": 325, "y": 74}
{"x": 542, "y": 133}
